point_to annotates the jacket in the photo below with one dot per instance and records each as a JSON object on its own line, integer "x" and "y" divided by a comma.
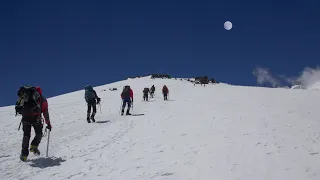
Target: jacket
{"x": 165, "y": 90}
{"x": 130, "y": 94}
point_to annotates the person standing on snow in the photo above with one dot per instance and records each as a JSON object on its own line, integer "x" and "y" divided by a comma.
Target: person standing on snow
{"x": 145, "y": 94}
{"x": 127, "y": 98}
{"x": 91, "y": 97}
{"x": 31, "y": 104}
{"x": 153, "y": 89}
{"x": 165, "y": 92}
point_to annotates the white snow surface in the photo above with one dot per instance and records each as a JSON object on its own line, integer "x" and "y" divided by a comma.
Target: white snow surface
{"x": 220, "y": 132}
{"x": 298, "y": 87}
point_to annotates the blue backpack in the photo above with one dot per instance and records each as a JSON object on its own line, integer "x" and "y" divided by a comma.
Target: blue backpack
{"x": 89, "y": 95}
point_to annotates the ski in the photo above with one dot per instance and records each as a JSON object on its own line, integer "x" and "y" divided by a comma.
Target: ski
{"x": 136, "y": 115}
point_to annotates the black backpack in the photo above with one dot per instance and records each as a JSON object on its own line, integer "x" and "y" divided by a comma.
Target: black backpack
{"x": 145, "y": 90}
{"x": 126, "y": 92}
{"x": 89, "y": 94}
{"x": 29, "y": 101}
{"x": 153, "y": 89}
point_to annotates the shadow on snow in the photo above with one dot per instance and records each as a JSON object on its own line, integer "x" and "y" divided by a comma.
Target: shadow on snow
{"x": 136, "y": 115}
{"x": 43, "y": 162}
{"x": 102, "y": 121}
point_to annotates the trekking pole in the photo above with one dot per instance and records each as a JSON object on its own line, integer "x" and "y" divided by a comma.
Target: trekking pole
{"x": 120, "y": 106}
{"x": 100, "y": 108}
{"x": 48, "y": 142}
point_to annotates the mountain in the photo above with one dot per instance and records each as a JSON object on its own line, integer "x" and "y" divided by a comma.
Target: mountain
{"x": 219, "y": 131}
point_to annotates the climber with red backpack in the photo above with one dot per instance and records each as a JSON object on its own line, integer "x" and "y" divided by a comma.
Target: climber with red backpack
{"x": 127, "y": 98}
{"x": 165, "y": 92}
{"x": 31, "y": 104}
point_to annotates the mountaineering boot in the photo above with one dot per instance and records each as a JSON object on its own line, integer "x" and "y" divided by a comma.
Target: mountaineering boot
{"x": 23, "y": 158}
{"x": 128, "y": 112}
{"x": 88, "y": 119}
{"x": 35, "y": 150}
{"x": 122, "y": 111}
{"x": 92, "y": 118}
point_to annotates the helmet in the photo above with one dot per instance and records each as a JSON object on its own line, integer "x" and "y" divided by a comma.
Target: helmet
{"x": 126, "y": 87}
{"x": 21, "y": 90}
{"x": 88, "y": 87}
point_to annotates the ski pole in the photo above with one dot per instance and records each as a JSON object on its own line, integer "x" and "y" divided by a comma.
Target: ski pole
{"x": 48, "y": 143}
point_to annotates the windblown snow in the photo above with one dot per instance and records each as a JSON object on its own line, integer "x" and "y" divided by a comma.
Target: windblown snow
{"x": 220, "y": 131}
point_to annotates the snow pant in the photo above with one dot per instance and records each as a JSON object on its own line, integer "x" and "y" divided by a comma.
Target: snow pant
{"x": 165, "y": 96}
{"x": 92, "y": 104}
{"x": 145, "y": 96}
{"x": 151, "y": 94}
{"x": 36, "y": 123}
{"x": 124, "y": 102}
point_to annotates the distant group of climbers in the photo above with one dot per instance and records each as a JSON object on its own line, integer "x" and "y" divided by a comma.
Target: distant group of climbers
{"x": 151, "y": 91}
{"x": 146, "y": 92}
{"x": 127, "y": 96}
{"x": 31, "y": 105}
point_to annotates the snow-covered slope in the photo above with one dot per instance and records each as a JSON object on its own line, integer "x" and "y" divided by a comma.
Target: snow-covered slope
{"x": 203, "y": 133}
{"x": 298, "y": 87}
{"x": 315, "y": 86}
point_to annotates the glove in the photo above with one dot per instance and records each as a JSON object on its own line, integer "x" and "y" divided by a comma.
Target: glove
{"x": 18, "y": 109}
{"x": 49, "y": 126}
{"x": 98, "y": 100}
{"x": 131, "y": 100}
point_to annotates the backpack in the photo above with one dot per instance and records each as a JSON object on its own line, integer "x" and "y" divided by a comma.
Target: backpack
{"x": 87, "y": 87}
{"x": 146, "y": 90}
{"x": 126, "y": 92}
{"x": 153, "y": 89}
{"x": 89, "y": 94}
{"x": 165, "y": 89}
{"x": 29, "y": 101}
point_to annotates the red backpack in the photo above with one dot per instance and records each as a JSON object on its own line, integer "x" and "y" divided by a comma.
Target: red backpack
{"x": 165, "y": 89}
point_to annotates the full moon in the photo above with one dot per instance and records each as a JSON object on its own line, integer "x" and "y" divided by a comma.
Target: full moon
{"x": 227, "y": 25}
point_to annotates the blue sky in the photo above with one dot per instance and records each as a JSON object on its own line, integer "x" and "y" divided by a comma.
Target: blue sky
{"x": 64, "y": 45}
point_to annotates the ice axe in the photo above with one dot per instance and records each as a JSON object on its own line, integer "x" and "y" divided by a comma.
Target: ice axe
{"x": 48, "y": 142}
